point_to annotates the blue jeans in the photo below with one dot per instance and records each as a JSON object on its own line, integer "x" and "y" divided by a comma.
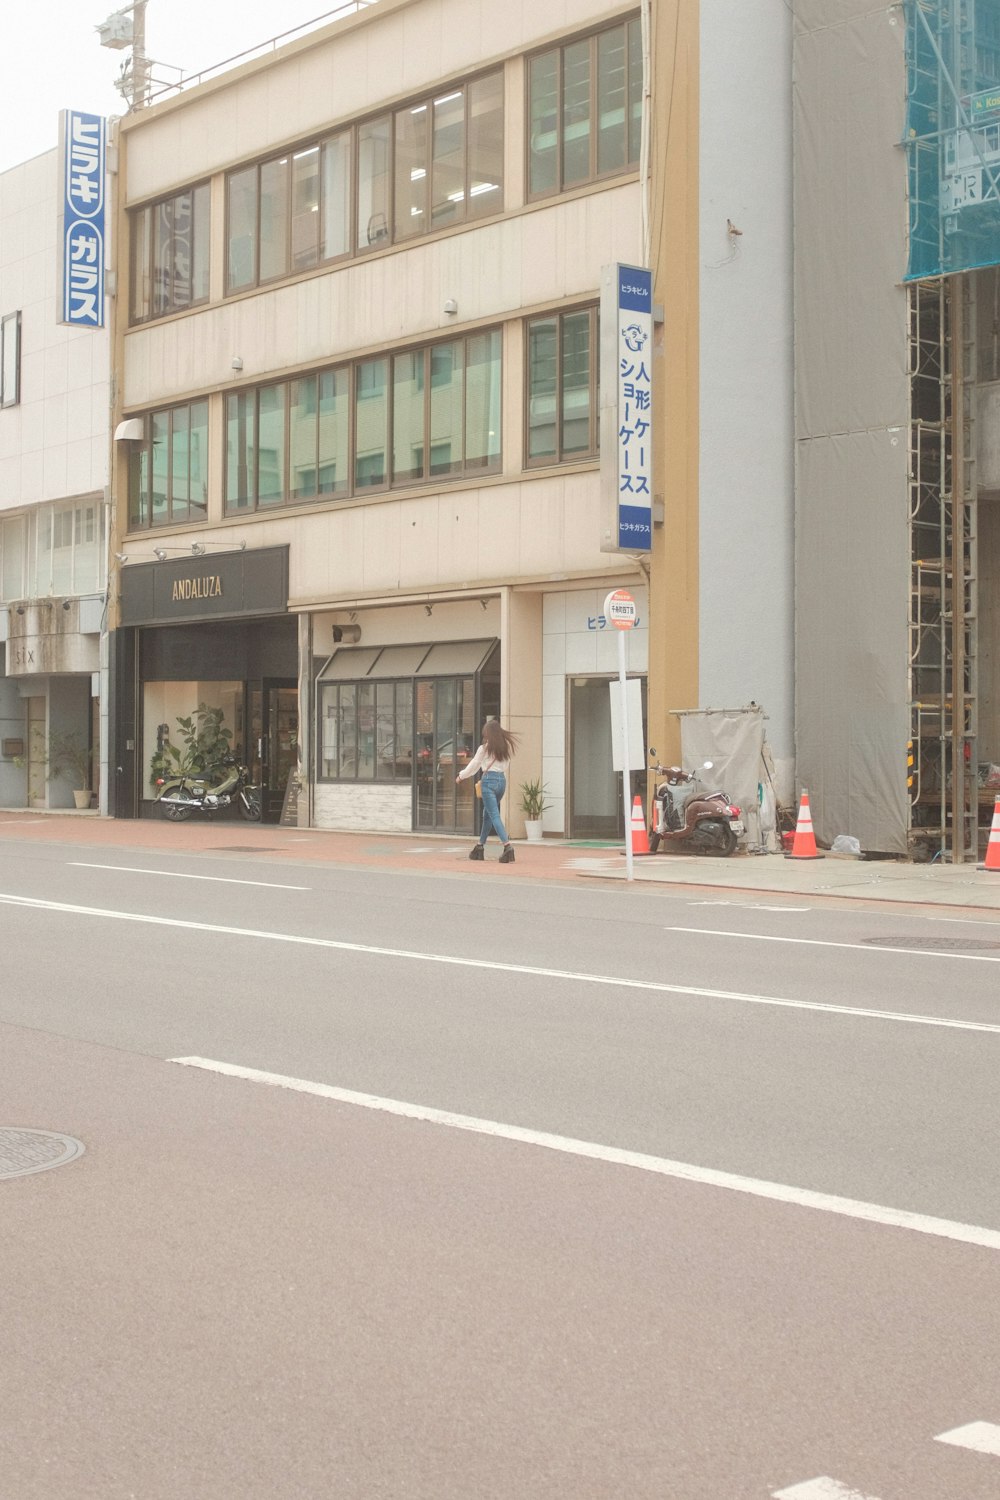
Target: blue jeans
{"x": 494, "y": 784}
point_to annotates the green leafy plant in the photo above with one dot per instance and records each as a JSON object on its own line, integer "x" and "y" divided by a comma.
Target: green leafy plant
{"x": 533, "y": 800}
{"x": 72, "y": 756}
{"x": 205, "y": 742}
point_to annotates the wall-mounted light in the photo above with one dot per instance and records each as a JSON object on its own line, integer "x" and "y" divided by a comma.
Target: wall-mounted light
{"x": 484, "y": 603}
{"x": 237, "y": 362}
{"x": 20, "y": 609}
{"x": 132, "y": 430}
{"x": 428, "y": 609}
{"x": 66, "y": 604}
{"x": 198, "y": 548}
{"x": 121, "y": 557}
{"x": 161, "y": 553}
{"x": 451, "y": 306}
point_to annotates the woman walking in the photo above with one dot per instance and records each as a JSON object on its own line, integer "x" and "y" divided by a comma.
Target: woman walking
{"x": 492, "y": 758}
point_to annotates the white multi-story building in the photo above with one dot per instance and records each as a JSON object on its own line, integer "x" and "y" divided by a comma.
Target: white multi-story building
{"x": 357, "y": 475}
{"x": 54, "y": 410}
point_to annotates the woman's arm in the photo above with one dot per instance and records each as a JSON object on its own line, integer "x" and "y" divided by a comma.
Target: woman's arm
{"x": 474, "y": 764}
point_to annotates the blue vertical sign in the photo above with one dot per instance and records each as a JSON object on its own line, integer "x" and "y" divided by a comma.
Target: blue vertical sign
{"x": 82, "y": 163}
{"x": 627, "y": 409}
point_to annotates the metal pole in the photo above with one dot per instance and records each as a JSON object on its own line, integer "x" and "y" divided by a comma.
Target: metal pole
{"x": 140, "y": 62}
{"x": 957, "y": 573}
{"x": 626, "y": 773}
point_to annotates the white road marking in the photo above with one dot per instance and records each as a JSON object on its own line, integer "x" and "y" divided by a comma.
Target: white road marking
{"x": 981, "y": 1437}
{"x": 749, "y": 906}
{"x": 763, "y": 937}
{"x": 820, "y": 1489}
{"x": 872, "y": 1213}
{"x": 80, "y": 864}
{"x": 612, "y": 981}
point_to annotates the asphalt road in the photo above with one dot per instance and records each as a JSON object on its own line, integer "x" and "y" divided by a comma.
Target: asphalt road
{"x": 572, "y": 1192}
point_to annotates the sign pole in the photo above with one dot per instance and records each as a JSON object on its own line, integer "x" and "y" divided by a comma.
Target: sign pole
{"x": 626, "y": 773}
{"x": 620, "y": 611}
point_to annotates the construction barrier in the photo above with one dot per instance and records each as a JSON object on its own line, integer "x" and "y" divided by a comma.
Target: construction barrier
{"x": 993, "y": 847}
{"x": 804, "y": 843}
{"x": 637, "y": 831}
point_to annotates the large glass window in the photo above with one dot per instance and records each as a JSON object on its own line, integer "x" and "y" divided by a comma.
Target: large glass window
{"x": 449, "y": 157}
{"x": 434, "y": 162}
{"x": 170, "y": 254}
{"x": 366, "y": 731}
{"x": 168, "y": 473}
{"x": 584, "y": 109}
{"x": 561, "y": 387}
{"x": 408, "y": 418}
{"x": 61, "y": 546}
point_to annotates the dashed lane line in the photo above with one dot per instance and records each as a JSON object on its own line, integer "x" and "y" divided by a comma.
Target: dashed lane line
{"x": 765, "y": 937}
{"x": 850, "y": 1208}
{"x": 80, "y": 864}
{"x": 820, "y": 1489}
{"x": 981, "y": 1437}
{"x": 574, "y": 976}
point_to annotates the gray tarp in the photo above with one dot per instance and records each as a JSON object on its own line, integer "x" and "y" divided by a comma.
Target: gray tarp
{"x": 732, "y": 739}
{"x": 851, "y": 416}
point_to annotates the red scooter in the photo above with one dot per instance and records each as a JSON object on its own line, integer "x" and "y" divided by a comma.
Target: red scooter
{"x": 691, "y": 821}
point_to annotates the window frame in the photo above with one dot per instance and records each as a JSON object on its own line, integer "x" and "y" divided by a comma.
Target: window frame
{"x": 146, "y": 521}
{"x": 594, "y": 175}
{"x": 387, "y": 235}
{"x": 356, "y": 395}
{"x": 353, "y": 685}
{"x": 143, "y": 282}
{"x": 10, "y": 327}
{"x": 593, "y": 453}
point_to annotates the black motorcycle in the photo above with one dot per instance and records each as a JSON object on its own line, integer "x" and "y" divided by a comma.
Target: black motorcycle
{"x": 229, "y": 782}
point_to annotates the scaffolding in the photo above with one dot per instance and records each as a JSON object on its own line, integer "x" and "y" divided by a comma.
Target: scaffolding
{"x": 944, "y": 797}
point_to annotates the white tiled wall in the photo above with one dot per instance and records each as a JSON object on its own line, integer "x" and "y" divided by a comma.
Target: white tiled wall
{"x": 360, "y": 806}
{"x": 575, "y": 644}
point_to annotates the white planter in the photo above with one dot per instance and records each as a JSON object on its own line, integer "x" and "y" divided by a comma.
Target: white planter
{"x": 533, "y": 830}
{"x": 82, "y": 799}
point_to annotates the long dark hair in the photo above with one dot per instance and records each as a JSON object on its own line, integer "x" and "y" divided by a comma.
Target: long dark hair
{"x": 500, "y": 743}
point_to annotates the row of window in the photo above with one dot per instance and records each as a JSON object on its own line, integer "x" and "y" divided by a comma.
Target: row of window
{"x": 417, "y": 416}
{"x": 53, "y": 550}
{"x": 436, "y": 161}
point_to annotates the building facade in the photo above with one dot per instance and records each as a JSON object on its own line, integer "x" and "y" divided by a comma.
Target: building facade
{"x": 54, "y": 413}
{"x": 357, "y": 469}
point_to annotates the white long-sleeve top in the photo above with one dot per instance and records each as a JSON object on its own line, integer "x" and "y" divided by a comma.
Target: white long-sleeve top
{"x": 483, "y": 761}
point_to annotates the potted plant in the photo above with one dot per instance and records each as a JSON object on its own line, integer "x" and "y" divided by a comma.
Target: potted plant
{"x": 533, "y": 804}
{"x": 71, "y": 756}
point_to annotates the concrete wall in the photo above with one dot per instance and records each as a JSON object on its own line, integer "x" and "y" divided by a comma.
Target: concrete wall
{"x": 745, "y": 344}
{"x": 55, "y": 442}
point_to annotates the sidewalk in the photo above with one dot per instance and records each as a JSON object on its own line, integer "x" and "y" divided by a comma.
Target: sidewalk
{"x": 743, "y": 877}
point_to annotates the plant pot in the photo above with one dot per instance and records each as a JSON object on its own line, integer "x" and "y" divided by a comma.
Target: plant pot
{"x": 533, "y": 830}
{"x": 82, "y": 799}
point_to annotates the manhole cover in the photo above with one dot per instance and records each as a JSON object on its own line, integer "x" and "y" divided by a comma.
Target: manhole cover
{"x": 24, "y": 1151}
{"x": 934, "y": 945}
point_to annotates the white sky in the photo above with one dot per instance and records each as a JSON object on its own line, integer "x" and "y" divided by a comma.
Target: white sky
{"x": 51, "y": 58}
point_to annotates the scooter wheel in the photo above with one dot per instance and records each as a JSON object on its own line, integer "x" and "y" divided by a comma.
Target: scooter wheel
{"x": 250, "y": 808}
{"x": 175, "y": 814}
{"x": 654, "y": 842}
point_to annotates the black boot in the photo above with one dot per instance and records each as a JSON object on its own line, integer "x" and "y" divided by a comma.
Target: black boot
{"x": 476, "y": 852}
{"x": 507, "y": 857}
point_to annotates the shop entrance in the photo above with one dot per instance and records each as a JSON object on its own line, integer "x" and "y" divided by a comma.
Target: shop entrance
{"x": 595, "y": 789}
{"x": 446, "y": 740}
{"x": 272, "y": 743}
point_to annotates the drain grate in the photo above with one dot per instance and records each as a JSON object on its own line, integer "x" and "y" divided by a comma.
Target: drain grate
{"x": 23, "y": 1151}
{"x": 935, "y": 945}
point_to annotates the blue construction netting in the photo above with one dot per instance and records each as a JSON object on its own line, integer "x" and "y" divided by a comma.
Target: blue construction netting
{"x": 953, "y": 135}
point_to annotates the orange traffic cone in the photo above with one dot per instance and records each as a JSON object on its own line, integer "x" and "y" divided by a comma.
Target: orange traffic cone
{"x": 804, "y": 843}
{"x": 993, "y": 847}
{"x": 640, "y": 838}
